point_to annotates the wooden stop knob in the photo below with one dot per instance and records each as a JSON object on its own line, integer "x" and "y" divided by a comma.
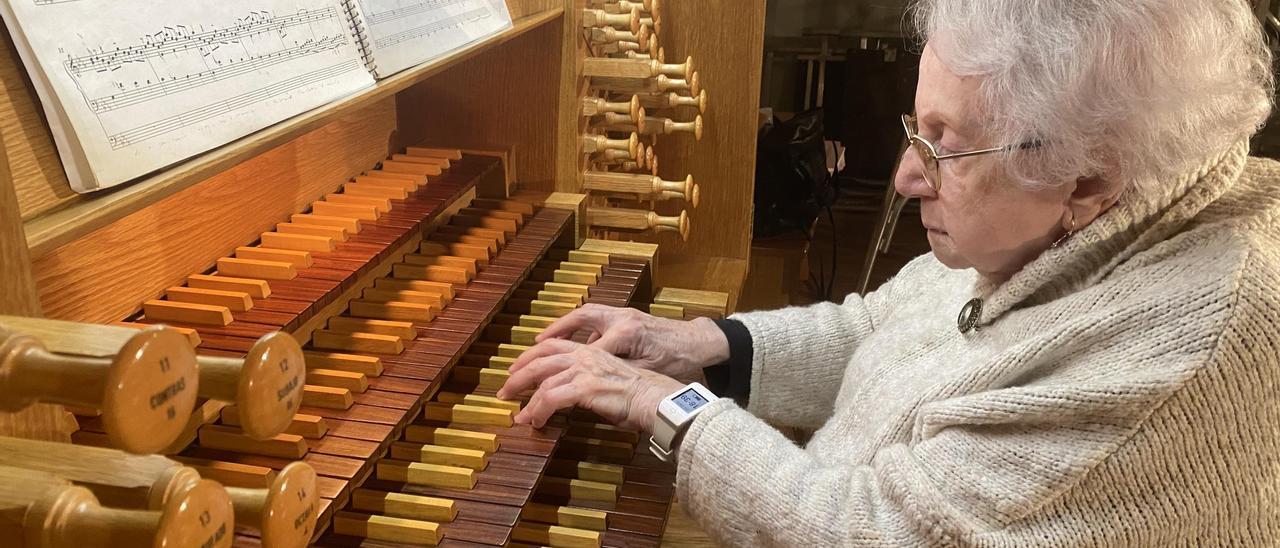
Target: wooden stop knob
{"x": 200, "y": 516}
{"x": 285, "y": 513}
{"x": 267, "y": 384}
{"x": 145, "y": 391}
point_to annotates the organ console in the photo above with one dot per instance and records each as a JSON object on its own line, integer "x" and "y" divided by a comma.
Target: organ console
{"x": 297, "y": 339}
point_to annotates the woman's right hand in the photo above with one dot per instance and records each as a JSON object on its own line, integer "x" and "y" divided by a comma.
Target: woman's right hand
{"x": 672, "y": 347}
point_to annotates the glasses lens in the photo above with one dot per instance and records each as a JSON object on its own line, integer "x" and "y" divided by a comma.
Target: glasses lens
{"x": 928, "y": 161}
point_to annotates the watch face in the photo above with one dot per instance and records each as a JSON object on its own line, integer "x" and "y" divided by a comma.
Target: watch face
{"x": 689, "y": 400}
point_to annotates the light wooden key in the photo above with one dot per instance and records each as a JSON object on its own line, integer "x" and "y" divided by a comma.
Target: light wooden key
{"x": 230, "y": 438}
{"x": 392, "y": 310}
{"x": 297, "y": 242}
{"x": 347, "y": 224}
{"x": 567, "y": 516}
{"x": 478, "y": 400}
{"x": 338, "y": 233}
{"x": 381, "y": 205}
{"x": 357, "y": 383}
{"x": 467, "y": 414}
{"x": 368, "y": 343}
{"x": 401, "y": 330}
{"x": 375, "y": 190}
{"x": 258, "y": 289}
{"x": 145, "y": 390}
{"x": 192, "y": 313}
{"x": 402, "y": 505}
{"x": 444, "y": 290}
{"x": 356, "y": 363}
{"x": 555, "y": 535}
{"x": 326, "y": 397}
{"x": 257, "y": 269}
{"x": 299, "y": 259}
{"x": 311, "y": 427}
{"x": 433, "y": 475}
{"x": 440, "y": 454}
{"x": 387, "y": 528}
{"x": 452, "y": 437}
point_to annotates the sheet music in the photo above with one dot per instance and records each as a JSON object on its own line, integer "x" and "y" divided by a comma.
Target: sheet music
{"x": 404, "y": 33}
{"x": 147, "y": 83}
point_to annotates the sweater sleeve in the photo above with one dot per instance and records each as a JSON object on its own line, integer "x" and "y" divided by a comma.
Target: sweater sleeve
{"x": 799, "y": 354}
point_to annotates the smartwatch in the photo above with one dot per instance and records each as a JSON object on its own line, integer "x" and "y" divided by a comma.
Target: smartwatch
{"x": 674, "y": 415}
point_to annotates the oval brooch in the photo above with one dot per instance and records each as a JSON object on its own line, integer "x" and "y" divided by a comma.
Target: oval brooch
{"x": 969, "y": 315}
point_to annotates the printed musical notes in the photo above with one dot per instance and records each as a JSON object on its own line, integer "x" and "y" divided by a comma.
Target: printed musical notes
{"x": 143, "y": 84}
{"x": 404, "y": 33}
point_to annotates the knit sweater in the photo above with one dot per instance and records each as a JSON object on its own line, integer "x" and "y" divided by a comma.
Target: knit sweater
{"x": 1120, "y": 390}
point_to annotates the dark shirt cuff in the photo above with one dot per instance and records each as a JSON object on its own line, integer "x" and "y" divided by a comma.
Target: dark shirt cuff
{"x": 732, "y": 378}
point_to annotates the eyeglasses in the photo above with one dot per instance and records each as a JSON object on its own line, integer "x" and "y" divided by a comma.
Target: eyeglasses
{"x": 929, "y": 156}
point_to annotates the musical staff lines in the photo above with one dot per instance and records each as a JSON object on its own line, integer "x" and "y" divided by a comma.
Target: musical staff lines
{"x": 49, "y": 2}
{"x": 218, "y": 108}
{"x": 411, "y": 10}
{"x": 195, "y": 80}
{"x": 185, "y": 75}
{"x": 180, "y": 38}
{"x": 433, "y": 27}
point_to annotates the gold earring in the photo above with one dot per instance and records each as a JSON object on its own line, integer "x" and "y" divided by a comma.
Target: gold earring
{"x": 1070, "y": 231}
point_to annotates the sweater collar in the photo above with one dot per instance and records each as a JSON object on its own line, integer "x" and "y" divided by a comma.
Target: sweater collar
{"x": 1133, "y": 225}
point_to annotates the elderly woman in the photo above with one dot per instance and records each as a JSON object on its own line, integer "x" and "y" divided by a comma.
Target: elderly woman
{"x": 1114, "y": 256}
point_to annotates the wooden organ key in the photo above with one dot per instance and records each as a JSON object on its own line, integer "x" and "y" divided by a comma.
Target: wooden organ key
{"x": 46, "y": 511}
{"x": 638, "y": 220}
{"x": 283, "y": 512}
{"x": 470, "y": 467}
{"x": 144, "y": 390}
{"x": 351, "y": 401}
{"x": 265, "y": 384}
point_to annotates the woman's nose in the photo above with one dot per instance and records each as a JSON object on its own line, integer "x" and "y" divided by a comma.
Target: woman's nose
{"x": 909, "y": 179}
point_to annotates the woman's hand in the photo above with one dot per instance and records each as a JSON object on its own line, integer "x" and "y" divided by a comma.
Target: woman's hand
{"x": 591, "y": 378}
{"x": 672, "y": 347}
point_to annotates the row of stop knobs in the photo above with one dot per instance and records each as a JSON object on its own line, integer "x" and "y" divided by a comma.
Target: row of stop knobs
{"x": 635, "y": 98}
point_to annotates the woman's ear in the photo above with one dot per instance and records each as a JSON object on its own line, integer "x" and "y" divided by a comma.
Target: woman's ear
{"x": 1091, "y": 197}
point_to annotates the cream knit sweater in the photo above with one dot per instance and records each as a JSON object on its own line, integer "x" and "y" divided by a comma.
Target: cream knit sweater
{"x": 1120, "y": 390}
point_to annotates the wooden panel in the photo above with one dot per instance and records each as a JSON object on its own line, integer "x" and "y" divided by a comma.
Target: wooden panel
{"x": 18, "y": 297}
{"x": 728, "y": 56}
{"x": 33, "y": 160}
{"x": 502, "y": 99}
{"x": 103, "y": 276}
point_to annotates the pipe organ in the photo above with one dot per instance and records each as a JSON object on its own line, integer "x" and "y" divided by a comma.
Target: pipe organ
{"x": 297, "y": 339}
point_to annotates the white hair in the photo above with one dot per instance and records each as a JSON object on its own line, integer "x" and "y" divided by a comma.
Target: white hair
{"x": 1135, "y": 91}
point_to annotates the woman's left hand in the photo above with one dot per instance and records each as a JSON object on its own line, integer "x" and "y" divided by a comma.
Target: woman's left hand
{"x": 593, "y": 379}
